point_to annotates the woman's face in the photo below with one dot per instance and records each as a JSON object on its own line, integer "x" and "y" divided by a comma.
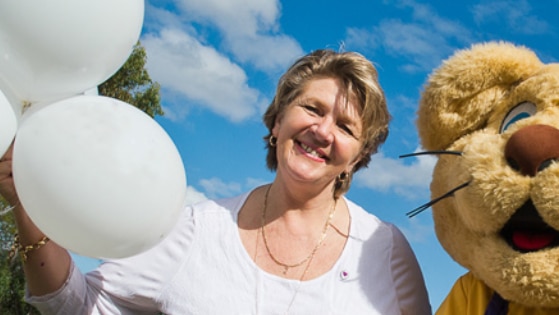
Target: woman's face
{"x": 318, "y": 134}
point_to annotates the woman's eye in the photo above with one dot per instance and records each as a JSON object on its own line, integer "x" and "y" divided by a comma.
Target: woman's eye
{"x": 311, "y": 108}
{"x": 519, "y": 112}
{"x": 346, "y": 129}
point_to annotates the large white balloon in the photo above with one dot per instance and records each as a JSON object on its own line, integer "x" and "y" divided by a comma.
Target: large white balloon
{"x": 98, "y": 176}
{"x": 8, "y": 124}
{"x": 53, "y": 49}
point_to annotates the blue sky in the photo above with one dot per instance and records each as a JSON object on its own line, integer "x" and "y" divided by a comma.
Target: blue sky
{"x": 218, "y": 62}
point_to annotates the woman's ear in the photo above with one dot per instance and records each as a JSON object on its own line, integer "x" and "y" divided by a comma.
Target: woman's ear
{"x": 275, "y": 129}
{"x": 357, "y": 159}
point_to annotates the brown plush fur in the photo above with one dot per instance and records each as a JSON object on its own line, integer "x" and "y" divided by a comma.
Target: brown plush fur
{"x": 462, "y": 108}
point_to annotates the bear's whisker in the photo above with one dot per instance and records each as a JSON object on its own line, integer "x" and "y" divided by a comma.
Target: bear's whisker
{"x": 424, "y": 207}
{"x": 430, "y": 152}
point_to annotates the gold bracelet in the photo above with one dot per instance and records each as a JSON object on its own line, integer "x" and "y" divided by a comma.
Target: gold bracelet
{"x": 23, "y": 250}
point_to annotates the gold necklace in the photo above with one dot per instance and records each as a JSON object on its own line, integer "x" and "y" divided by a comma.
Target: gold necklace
{"x": 298, "y": 286}
{"x": 312, "y": 253}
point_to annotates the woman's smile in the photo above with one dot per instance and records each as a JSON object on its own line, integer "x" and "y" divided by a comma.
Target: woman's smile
{"x": 316, "y": 154}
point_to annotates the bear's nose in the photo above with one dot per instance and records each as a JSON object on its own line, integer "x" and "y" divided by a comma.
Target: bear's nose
{"x": 532, "y": 149}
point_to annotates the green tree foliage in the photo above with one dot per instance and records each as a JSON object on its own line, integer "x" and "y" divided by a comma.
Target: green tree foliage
{"x": 131, "y": 84}
{"x": 11, "y": 272}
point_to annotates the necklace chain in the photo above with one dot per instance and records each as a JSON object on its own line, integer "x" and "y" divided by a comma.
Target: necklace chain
{"x": 312, "y": 253}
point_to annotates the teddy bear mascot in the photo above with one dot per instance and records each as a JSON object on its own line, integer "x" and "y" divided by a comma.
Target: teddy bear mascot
{"x": 491, "y": 115}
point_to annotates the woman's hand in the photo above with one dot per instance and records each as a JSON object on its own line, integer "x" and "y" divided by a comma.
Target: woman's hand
{"x": 7, "y": 187}
{"x": 46, "y": 267}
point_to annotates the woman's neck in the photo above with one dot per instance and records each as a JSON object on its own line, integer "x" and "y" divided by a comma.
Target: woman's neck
{"x": 300, "y": 196}
{"x": 296, "y": 212}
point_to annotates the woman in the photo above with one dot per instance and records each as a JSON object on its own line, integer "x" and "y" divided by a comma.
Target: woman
{"x": 295, "y": 246}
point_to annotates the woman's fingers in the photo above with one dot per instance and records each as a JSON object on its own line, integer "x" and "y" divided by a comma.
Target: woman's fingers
{"x": 7, "y": 188}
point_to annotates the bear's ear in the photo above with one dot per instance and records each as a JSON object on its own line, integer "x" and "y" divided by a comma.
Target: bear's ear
{"x": 461, "y": 93}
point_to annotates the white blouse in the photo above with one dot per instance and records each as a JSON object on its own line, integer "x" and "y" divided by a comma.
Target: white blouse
{"x": 202, "y": 268}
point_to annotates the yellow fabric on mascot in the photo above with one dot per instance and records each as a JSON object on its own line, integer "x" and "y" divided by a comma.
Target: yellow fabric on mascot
{"x": 491, "y": 115}
{"x": 469, "y": 295}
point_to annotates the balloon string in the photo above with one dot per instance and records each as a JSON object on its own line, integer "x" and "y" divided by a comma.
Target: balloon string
{"x": 7, "y": 210}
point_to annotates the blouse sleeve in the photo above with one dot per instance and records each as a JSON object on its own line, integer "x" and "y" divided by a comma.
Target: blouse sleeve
{"x": 408, "y": 279}
{"x": 125, "y": 286}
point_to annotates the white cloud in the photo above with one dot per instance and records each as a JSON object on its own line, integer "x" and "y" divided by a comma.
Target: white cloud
{"x": 267, "y": 53}
{"x": 386, "y": 174}
{"x": 193, "y": 72}
{"x": 158, "y": 18}
{"x": 216, "y": 188}
{"x": 181, "y": 63}
{"x": 419, "y": 44}
{"x": 194, "y": 196}
{"x": 249, "y": 29}
{"x": 424, "y": 40}
{"x": 252, "y": 183}
{"x": 234, "y": 16}
{"x": 175, "y": 113}
{"x": 361, "y": 38}
{"x": 515, "y": 14}
{"x": 417, "y": 231}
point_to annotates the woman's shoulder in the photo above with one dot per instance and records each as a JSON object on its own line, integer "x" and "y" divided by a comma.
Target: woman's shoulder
{"x": 219, "y": 206}
{"x": 365, "y": 224}
{"x": 360, "y": 215}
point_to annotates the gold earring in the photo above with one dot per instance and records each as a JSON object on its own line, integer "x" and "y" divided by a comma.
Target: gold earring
{"x": 343, "y": 177}
{"x": 272, "y": 141}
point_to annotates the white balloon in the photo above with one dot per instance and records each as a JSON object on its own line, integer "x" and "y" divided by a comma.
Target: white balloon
{"x": 53, "y": 49}
{"x": 98, "y": 176}
{"x": 8, "y": 124}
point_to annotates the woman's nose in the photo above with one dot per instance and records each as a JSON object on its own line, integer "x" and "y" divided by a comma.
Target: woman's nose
{"x": 323, "y": 129}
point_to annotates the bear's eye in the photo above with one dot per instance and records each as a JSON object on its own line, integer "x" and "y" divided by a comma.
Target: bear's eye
{"x": 519, "y": 112}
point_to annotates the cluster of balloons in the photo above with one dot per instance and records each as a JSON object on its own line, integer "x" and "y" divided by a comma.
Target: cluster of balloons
{"x": 95, "y": 174}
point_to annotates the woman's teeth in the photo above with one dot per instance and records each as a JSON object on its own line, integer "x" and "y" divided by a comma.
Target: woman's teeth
{"x": 309, "y": 150}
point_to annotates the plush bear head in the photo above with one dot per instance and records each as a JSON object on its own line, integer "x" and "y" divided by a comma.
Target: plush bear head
{"x": 496, "y": 106}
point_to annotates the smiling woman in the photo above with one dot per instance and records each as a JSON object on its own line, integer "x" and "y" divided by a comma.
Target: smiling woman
{"x": 294, "y": 246}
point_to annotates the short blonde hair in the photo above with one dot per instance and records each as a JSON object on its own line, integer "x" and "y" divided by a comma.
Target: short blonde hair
{"x": 358, "y": 76}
